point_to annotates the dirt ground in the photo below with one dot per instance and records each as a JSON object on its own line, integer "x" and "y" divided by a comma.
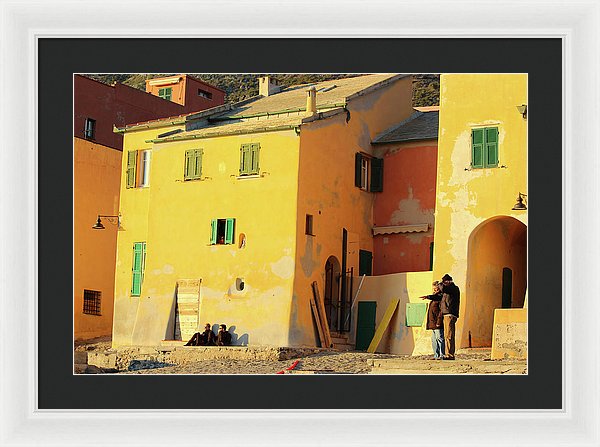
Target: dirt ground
{"x": 468, "y": 361}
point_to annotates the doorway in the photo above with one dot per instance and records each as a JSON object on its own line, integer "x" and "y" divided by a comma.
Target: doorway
{"x": 332, "y": 292}
{"x": 365, "y": 324}
{"x": 496, "y": 276}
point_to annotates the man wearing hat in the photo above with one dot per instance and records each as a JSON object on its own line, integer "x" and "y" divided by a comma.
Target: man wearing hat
{"x": 449, "y": 305}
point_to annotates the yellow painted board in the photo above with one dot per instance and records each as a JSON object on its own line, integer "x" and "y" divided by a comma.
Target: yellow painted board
{"x": 385, "y": 321}
{"x": 315, "y": 313}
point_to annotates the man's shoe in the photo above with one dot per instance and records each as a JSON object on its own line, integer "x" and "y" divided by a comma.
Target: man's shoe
{"x": 448, "y": 358}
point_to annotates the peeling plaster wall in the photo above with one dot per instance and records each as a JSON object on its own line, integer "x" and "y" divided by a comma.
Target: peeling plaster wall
{"x": 408, "y": 197}
{"x": 465, "y": 198}
{"x": 326, "y": 190}
{"x": 174, "y": 218}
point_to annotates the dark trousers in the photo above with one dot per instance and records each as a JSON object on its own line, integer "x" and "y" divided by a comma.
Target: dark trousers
{"x": 449, "y": 328}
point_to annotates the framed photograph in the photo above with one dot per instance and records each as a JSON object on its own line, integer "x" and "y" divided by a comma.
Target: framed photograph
{"x": 43, "y": 46}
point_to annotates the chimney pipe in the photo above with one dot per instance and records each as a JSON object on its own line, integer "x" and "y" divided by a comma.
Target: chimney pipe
{"x": 311, "y": 100}
{"x": 268, "y": 86}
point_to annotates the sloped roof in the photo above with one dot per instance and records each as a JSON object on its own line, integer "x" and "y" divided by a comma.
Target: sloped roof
{"x": 286, "y": 108}
{"x": 418, "y": 126}
{"x": 294, "y": 97}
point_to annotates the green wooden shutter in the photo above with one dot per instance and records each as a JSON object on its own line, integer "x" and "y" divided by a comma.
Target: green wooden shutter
{"x": 244, "y": 159}
{"x": 357, "y": 169}
{"x": 365, "y": 263}
{"x": 186, "y": 167}
{"x": 255, "y": 150}
{"x": 377, "y": 175}
{"x": 477, "y": 148}
{"x": 491, "y": 147}
{"x": 213, "y": 231}
{"x": 415, "y": 314}
{"x": 131, "y": 165}
{"x": 229, "y": 224}
{"x": 136, "y": 280}
{"x": 198, "y": 163}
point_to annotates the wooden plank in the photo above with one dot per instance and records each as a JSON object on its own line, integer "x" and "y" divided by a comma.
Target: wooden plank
{"x": 385, "y": 321}
{"x": 315, "y": 313}
{"x": 322, "y": 315}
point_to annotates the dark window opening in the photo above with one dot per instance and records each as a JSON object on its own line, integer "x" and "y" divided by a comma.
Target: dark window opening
{"x": 204, "y": 94}
{"x": 309, "y": 225}
{"x": 222, "y": 231}
{"x": 90, "y": 129}
{"x": 91, "y": 302}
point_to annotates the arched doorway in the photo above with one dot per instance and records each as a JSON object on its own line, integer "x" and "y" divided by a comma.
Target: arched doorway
{"x": 496, "y": 276}
{"x": 332, "y": 291}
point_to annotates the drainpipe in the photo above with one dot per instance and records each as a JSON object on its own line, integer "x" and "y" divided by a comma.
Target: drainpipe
{"x": 342, "y": 298}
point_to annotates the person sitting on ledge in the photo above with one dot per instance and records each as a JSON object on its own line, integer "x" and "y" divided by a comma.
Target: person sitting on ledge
{"x": 223, "y": 337}
{"x": 206, "y": 338}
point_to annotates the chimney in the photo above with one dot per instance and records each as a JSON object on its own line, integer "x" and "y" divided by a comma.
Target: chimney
{"x": 268, "y": 86}
{"x": 311, "y": 100}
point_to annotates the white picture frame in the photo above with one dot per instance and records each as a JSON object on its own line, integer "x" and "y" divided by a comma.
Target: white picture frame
{"x": 577, "y": 24}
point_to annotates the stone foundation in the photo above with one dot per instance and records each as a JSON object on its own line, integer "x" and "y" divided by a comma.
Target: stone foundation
{"x": 509, "y": 340}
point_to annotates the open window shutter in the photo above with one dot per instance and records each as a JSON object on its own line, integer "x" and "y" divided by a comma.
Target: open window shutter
{"x": 255, "y": 149}
{"x": 136, "y": 280}
{"x": 213, "y": 231}
{"x": 187, "y": 172}
{"x": 357, "y": 169}
{"x": 377, "y": 175}
{"x": 477, "y": 148}
{"x": 131, "y": 162}
{"x": 229, "y": 231}
{"x": 491, "y": 143}
{"x": 198, "y": 163}
{"x": 143, "y": 260}
{"x": 242, "y": 158}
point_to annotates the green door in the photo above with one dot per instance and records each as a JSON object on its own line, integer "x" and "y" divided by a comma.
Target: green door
{"x": 506, "y": 288}
{"x": 365, "y": 324}
{"x": 365, "y": 262}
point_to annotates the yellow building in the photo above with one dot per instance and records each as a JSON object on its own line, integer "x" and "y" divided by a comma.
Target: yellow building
{"x": 230, "y": 215}
{"x": 480, "y": 238}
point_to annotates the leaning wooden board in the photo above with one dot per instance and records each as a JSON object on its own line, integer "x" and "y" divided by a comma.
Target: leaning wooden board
{"x": 385, "y": 321}
{"x": 322, "y": 317}
{"x": 315, "y": 313}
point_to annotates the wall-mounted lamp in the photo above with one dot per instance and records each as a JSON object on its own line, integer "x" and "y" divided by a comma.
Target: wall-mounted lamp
{"x": 115, "y": 220}
{"x": 523, "y": 110}
{"x": 520, "y": 206}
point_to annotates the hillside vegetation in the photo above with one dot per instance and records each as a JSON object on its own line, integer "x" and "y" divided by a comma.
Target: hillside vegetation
{"x": 426, "y": 88}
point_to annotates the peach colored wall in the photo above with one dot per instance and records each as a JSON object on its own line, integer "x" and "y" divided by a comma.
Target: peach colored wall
{"x": 327, "y": 153}
{"x": 408, "y": 197}
{"x": 96, "y": 191}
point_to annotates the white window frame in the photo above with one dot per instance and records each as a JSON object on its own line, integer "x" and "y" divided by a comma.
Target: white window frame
{"x": 145, "y": 158}
{"x": 365, "y": 163}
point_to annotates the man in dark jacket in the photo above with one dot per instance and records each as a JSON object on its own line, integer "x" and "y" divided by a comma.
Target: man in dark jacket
{"x": 223, "y": 337}
{"x": 449, "y": 305}
{"x": 206, "y": 338}
{"x": 435, "y": 321}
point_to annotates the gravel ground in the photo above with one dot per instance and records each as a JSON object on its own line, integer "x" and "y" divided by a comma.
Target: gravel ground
{"x": 323, "y": 362}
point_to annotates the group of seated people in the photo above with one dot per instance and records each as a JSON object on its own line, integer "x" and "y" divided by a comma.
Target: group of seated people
{"x": 208, "y": 338}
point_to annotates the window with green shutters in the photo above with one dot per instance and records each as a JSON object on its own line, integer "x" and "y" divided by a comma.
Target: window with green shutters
{"x": 222, "y": 231}
{"x": 193, "y": 164}
{"x": 368, "y": 172}
{"x": 484, "y": 147}
{"x": 137, "y": 269}
{"x": 165, "y": 93}
{"x": 131, "y": 168}
{"x": 249, "y": 158}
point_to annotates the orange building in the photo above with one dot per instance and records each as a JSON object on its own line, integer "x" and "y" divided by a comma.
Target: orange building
{"x": 403, "y": 213}
{"x": 97, "y": 152}
{"x": 193, "y": 94}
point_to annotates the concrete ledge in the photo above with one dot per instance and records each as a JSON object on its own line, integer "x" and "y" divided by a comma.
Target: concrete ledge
{"x": 509, "y": 338}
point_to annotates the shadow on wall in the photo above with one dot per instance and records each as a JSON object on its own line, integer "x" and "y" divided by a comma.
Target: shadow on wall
{"x": 173, "y": 330}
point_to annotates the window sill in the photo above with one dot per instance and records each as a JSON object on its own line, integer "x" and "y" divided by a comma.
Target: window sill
{"x": 241, "y": 177}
